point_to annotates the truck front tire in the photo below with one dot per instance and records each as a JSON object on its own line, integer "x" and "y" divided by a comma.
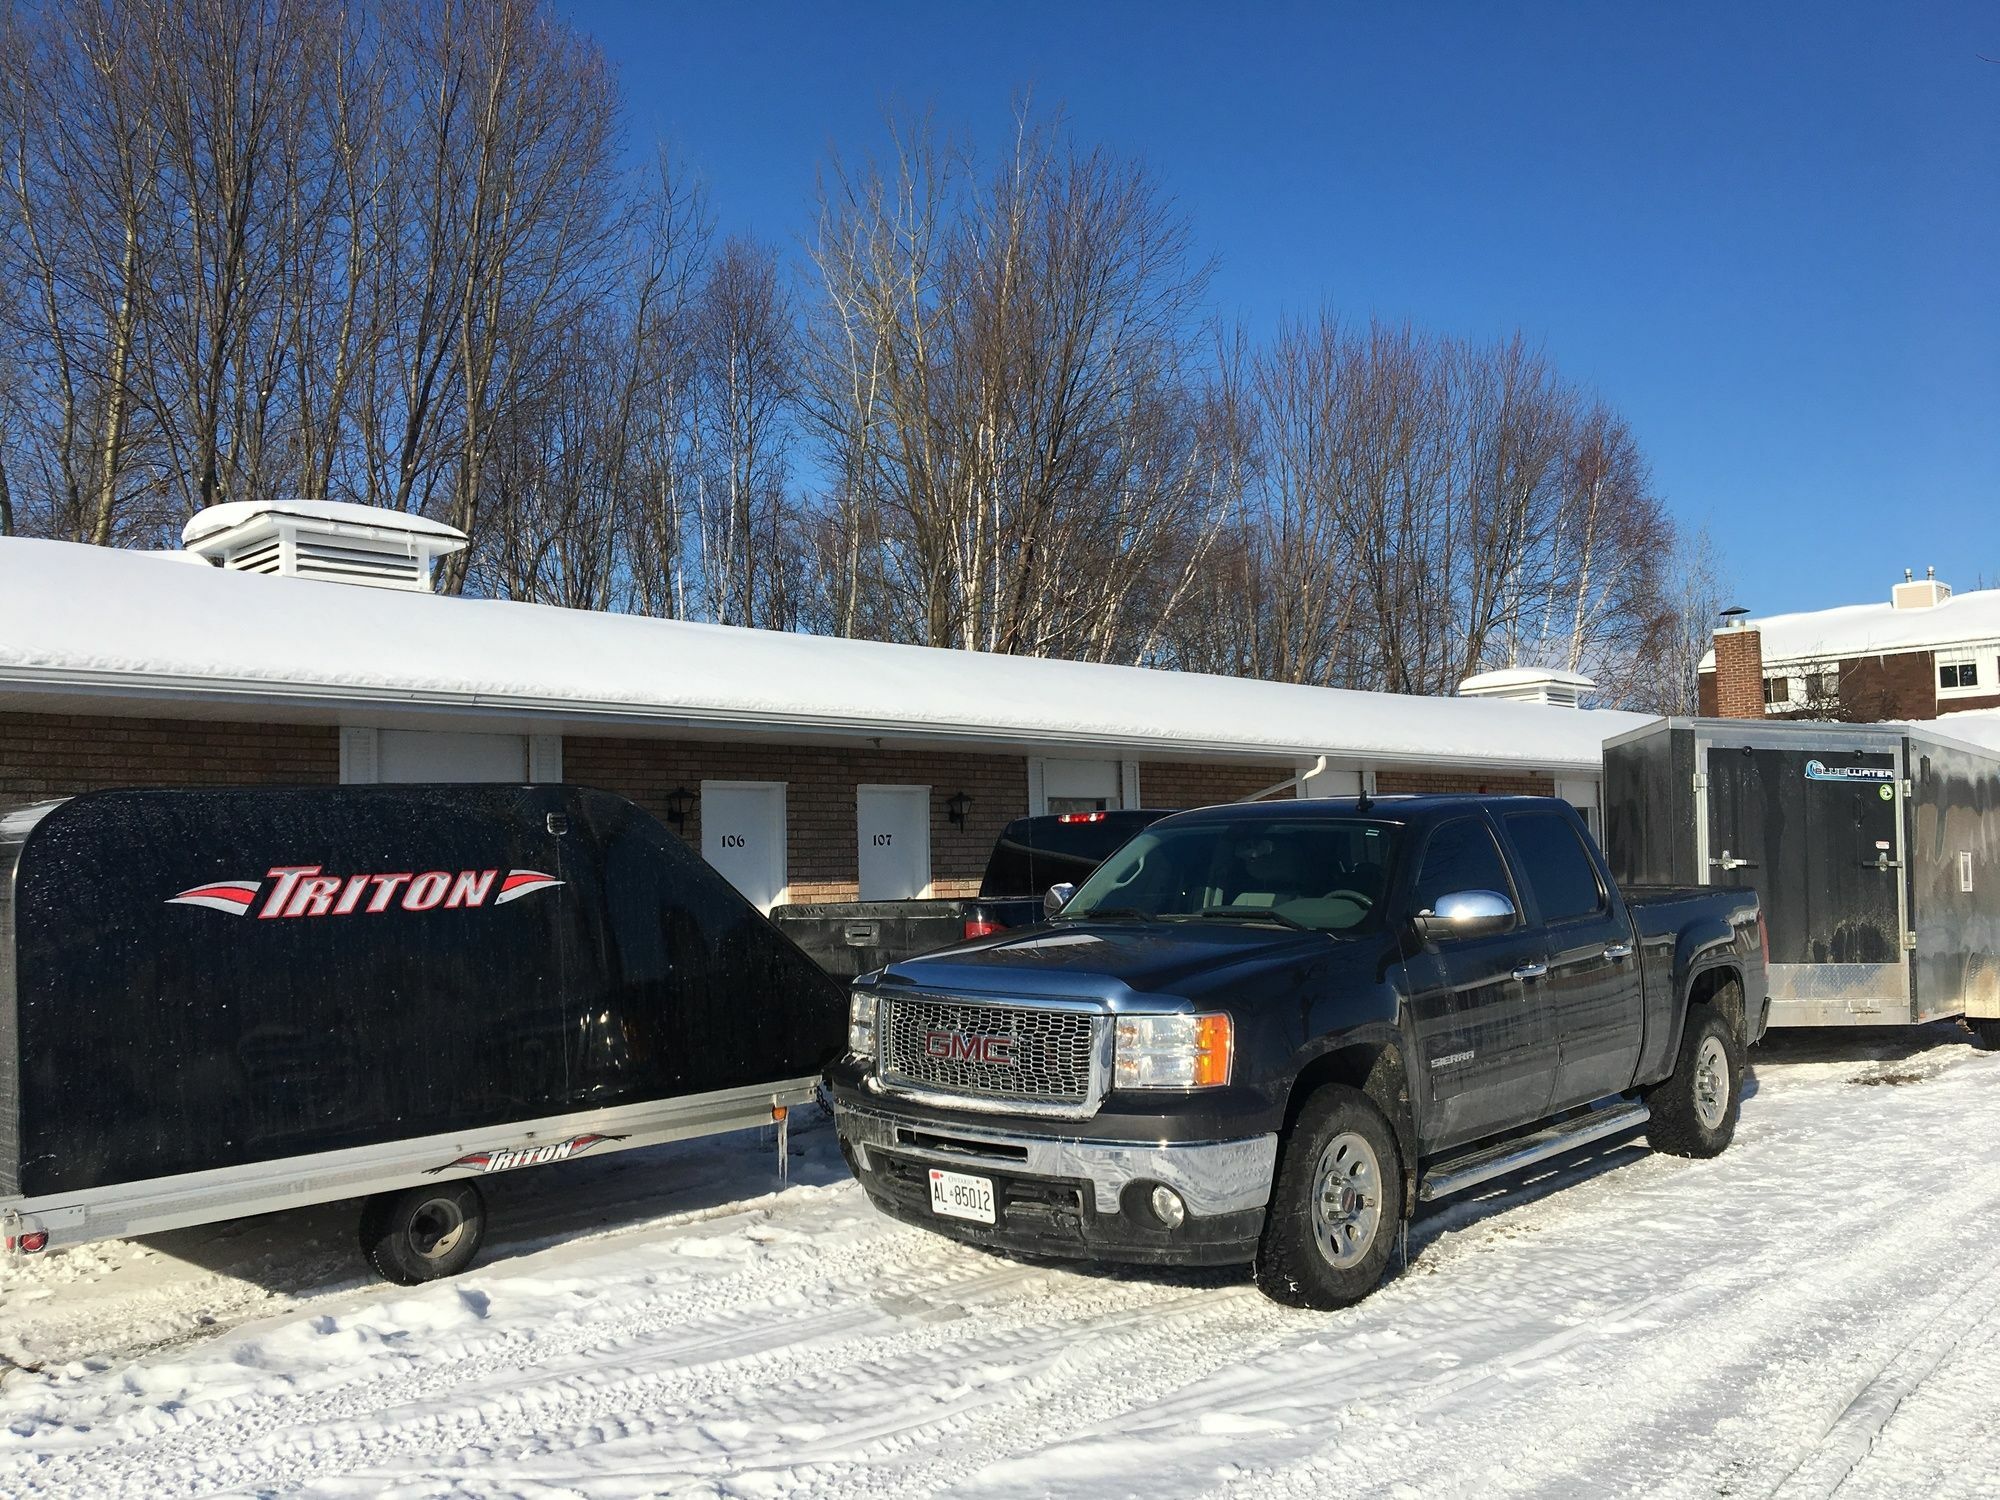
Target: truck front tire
{"x": 1694, "y": 1111}
{"x": 423, "y": 1233}
{"x": 1335, "y": 1203}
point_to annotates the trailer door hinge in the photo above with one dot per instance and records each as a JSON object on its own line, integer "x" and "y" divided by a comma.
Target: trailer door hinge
{"x": 1701, "y": 781}
{"x": 1906, "y": 787}
{"x": 1909, "y": 942}
{"x": 558, "y": 824}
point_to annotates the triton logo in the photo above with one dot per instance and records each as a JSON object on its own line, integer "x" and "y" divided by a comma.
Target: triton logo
{"x": 506, "y": 1158}
{"x": 303, "y": 891}
{"x": 964, "y": 1046}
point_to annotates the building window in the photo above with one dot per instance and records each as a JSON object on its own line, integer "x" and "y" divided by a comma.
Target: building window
{"x": 1777, "y": 690}
{"x": 1958, "y": 674}
{"x": 1822, "y": 687}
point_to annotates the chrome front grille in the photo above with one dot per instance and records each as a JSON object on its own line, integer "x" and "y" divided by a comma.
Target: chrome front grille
{"x": 1000, "y": 1053}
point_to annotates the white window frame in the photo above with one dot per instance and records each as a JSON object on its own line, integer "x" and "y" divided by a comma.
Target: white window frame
{"x": 1982, "y": 659}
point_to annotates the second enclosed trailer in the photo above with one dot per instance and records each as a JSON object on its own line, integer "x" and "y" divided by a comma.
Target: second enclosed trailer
{"x": 221, "y": 1002}
{"x": 1875, "y": 850}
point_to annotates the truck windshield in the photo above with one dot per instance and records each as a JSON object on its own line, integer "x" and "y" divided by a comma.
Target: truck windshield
{"x": 1327, "y": 874}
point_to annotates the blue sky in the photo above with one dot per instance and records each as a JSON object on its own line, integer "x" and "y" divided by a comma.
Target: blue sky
{"x": 1770, "y": 235}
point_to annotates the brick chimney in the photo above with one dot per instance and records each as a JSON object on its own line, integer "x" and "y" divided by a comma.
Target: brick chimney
{"x": 1739, "y": 672}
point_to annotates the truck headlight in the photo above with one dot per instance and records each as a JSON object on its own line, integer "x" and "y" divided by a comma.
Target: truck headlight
{"x": 1172, "y": 1052}
{"x": 861, "y": 1022}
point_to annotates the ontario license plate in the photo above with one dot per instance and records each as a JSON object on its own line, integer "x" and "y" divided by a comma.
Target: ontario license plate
{"x": 959, "y": 1196}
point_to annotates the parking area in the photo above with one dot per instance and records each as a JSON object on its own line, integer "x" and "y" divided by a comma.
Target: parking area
{"x": 1815, "y": 1312}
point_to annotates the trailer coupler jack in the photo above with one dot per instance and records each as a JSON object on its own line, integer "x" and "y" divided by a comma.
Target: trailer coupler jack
{"x": 781, "y": 1115}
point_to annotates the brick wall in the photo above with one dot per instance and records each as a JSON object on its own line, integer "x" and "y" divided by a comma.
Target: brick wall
{"x": 1902, "y": 686}
{"x": 1705, "y": 695}
{"x": 58, "y": 755}
{"x": 1390, "y": 782}
{"x": 821, "y": 856}
{"x": 1183, "y": 784}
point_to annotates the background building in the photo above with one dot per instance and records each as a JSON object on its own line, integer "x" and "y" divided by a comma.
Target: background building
{"x": 1924, "y": 653}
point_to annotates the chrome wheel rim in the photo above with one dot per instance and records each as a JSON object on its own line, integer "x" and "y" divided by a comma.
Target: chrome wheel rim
{"x": 436, "y": 1228}
{"x": 1347, "y": 1200}
{"x": 1711, "y": 1082}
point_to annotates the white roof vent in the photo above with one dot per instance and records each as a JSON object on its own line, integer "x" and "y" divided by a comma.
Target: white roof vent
{"x": 330, "y": 540}
{"x": 1549, "y": 685}
{"x": 1919, "y": 593}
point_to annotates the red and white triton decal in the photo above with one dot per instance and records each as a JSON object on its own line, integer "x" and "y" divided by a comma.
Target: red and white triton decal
{"x": 521, "y": 883}
{"x": 304, "y": 891}
{"x": 232, "y": 896}
{"x": 506, "y": 1158}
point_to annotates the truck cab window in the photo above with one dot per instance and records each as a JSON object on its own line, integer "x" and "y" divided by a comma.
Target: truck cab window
{"x": 1461, "y": 856}
{"x": 1554, "y": 864}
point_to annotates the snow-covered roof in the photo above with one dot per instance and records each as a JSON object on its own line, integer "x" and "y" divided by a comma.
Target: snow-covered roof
{"x": 77, "y": 618}
{"x": 1975, "y": 726}
{"x": 1510, "y": 677}
{"x": 219, "y": 518}
{"x": 1872, "y": 629}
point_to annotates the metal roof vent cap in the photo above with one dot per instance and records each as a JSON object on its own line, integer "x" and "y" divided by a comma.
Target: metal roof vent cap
{"x": 1551, "y": 685}
{"x": 330, "y": 540}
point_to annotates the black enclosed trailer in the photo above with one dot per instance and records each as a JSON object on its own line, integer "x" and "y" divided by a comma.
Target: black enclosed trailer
{"x": 221, "y": 1002}
{"x": 1874, "y": 848}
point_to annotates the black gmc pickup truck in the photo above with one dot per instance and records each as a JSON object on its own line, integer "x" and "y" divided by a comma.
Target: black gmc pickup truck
{"x": 1267, "y": 1032}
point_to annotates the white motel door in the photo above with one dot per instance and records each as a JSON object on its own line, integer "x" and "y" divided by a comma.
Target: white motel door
{"x": 743, "y": 836}
{"x": 893, "y": 824}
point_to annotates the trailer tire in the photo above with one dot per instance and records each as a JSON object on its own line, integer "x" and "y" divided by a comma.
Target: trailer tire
{"x": 423, "y": 1233}
{"x": 1695, "y": 1110}
{"x": 1985, "y": 1032}
{"x": 1336, "y": 1202}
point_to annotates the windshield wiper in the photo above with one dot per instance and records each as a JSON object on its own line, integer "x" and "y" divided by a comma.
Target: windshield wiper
{"x": 1254, "y": 914}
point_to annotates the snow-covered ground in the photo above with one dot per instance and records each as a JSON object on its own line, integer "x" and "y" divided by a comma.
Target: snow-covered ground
{"x": 1816, "y": 1312}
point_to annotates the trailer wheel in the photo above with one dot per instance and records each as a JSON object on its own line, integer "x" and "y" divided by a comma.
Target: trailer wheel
{"x": 423, "y": 1233}
{"x": 1695, "y": 1110}
{"x": 1335, "y": 1203}
{"x": 1985, "y": 1032}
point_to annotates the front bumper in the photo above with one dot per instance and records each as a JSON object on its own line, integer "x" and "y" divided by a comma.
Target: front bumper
{"x": 1065, "y": 1195}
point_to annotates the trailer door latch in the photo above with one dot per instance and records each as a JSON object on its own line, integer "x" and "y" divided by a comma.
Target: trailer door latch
{"x": 558, "y": 824}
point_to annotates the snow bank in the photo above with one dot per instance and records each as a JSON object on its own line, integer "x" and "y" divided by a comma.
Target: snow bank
{"x": 72, "y": 616}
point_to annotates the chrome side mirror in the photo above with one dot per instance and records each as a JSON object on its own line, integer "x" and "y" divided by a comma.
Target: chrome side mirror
{"x": 1466, "y": 914}
{"x": 1057, "y": 897}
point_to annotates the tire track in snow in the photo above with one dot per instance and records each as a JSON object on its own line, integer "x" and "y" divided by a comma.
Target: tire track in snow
{"x": 713, "y": 1316}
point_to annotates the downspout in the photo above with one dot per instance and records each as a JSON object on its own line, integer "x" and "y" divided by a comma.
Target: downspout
{"x": 1291, "y": 781}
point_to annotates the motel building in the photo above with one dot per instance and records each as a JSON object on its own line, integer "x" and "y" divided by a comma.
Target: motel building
{"x": 302, "y": 644}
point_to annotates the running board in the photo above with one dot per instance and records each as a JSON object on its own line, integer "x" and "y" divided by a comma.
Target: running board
{"x": 1462, "y": 1172}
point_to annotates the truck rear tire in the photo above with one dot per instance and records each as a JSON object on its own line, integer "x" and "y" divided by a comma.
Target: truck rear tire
{"x": 1335, "y": 1203}
{"x": 1985, "y": 1032}
{"x": 423, "y": 1233}
{"x": 1695, "y": 1110}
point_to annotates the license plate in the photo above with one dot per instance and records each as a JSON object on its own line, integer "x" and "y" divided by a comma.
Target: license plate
{"x": 959, "y": 1196}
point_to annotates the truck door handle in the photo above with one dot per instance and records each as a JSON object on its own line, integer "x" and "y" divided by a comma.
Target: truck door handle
{"x": 1618, "y": 950}
{"x": 1531, "y": 971}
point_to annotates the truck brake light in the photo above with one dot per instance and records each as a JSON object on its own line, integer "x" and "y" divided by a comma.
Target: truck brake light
{"x": 1090, "y": 817}
{"x": 978, "y": 927}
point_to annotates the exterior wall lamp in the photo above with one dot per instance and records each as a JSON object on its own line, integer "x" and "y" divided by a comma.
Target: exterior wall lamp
{"x": 680, "y": 802}
{"x": 957, "y": 807}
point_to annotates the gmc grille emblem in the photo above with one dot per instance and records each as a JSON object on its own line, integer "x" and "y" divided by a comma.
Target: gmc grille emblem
{"x": 964, "y": 1046}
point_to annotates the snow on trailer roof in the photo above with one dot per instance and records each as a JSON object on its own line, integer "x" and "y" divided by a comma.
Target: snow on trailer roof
{"x": 74, "y": 616}
{"x": 1868, "y": 629}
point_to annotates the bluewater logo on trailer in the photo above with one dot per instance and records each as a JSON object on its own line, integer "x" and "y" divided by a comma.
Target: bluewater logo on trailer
{"x": 506, "y": 1158}
{"x": 1820, "y": 771}
{"x": 303, "y": 891}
